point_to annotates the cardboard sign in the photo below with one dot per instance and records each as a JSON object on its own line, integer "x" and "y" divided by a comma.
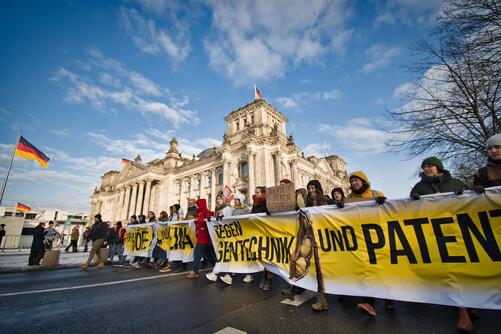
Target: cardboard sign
{"x": 281, "y": 198}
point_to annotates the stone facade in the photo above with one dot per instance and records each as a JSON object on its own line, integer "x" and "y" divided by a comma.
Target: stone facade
{"x": 256, "y": 152}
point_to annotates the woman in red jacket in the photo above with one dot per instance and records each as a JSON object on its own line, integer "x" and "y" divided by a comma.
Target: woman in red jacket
{"x": 202, "y": 248}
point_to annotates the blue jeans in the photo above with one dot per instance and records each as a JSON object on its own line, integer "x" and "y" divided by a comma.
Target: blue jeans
{"x": 113, "y": 252}
{"x": 202, "y": 250}
{"x": 120, "y": 252}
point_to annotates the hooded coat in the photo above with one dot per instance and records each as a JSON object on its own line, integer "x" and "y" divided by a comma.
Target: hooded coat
{"x": 367, "y": 193}
{"x": 441, "y": 183}
{"x": 202, "y": 214}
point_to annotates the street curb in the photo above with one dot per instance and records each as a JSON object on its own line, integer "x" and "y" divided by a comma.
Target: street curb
{"x": 10, "y": 270}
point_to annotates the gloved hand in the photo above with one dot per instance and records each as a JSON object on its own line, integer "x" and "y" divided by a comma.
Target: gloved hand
{"x": 380, "y": 200}
{"x": 479, "y": 189}
{"x": 340, "y": 204}
{"x": 218, "y": 218}
{"x": 208, "y": 219}
{"x": 459, "y": 191}
{"x": 268, "y": 212}
{"x": 415, "y": 196}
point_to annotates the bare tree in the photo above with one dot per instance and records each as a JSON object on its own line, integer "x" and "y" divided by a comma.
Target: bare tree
{"x": 455, "y": 105}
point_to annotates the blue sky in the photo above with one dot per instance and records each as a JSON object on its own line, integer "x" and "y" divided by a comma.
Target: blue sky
{"x": 90, "y": 82}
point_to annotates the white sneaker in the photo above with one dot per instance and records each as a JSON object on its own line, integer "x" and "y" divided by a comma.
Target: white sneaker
{"x": 136, "y": 265}
{"x": 211, "y": 277}
{"x": 248, "y": 278}
{"x": 227, "y": 279}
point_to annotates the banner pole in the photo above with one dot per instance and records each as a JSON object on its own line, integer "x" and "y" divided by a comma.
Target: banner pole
{"x": 10, "y": 166}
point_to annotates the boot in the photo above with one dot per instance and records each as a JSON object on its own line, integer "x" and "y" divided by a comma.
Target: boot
{"x": 289, "y": 292}
{"x": 267, "y": 284}
{"x": 84, "y": 266}
{"x": 100, "y": 266}
{"x": 321, "y": 304}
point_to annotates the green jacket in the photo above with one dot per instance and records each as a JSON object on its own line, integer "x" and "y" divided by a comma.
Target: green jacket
{"x": 442, "y": 183}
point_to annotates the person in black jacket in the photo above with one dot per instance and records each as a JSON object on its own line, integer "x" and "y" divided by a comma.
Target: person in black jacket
{"x": 259, "y": 206}
{"x": 37, "y": 246}
{"x": 436, "y": 179}
{"x": 259, "y": 201}
{"x": 98, "y": 234}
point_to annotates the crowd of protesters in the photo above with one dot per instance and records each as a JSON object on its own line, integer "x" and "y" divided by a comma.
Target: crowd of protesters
{"x": 108, "y": 241}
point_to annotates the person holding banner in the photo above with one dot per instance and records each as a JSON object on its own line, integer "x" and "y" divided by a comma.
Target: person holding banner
{"x": 337, "y": 197}
{"x": 316, "y": 197}
{"x": 490, "y": 175}
{"x": 361, "y": 191}
{"x": 436, "y": 179}
{"x": 301, "y": 195}
{"x": 192, "y": 209}
{"x": 202, "y": 248}
{"x": 259, "y": 206}
{"x": 238, "y": 209}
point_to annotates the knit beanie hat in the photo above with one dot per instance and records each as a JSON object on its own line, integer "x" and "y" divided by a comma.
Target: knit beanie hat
{"x": 494, "y": 140}
{"x": 433, "y": 161}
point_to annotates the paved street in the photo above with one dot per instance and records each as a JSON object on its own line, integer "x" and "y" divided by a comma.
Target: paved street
{"x": 120, "y": 300}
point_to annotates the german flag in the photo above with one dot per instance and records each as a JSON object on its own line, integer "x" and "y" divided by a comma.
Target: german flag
{"x": 125, "y": 161}
{"x": 26, "y": 150}
{"x": 23, "y": 208}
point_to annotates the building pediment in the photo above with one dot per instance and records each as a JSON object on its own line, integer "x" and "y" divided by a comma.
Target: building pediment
{"x": 132, "y": 169}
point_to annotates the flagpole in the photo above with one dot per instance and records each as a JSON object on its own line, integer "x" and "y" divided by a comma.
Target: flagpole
{"x": 10, "y": 166}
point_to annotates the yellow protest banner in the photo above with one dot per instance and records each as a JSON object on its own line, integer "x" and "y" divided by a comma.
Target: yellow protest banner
{"x": 139, "y": 240}
{"x": 177, "y": 238}
{"x": 441, "y": 249}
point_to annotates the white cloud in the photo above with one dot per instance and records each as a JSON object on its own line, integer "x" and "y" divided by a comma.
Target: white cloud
{"x": 300, "y": 99}
{"x": 153, "y": 144}
{"x": 287, "y": 102}
{"x": 171, "y": 42}
{"x": 316, "y": 149}
{"x": 409, "y": 12}
{"x": 120, "y": 88}
{"x": 63, "y": 133}
{"x": 259, "y": 40}
{"x": 379, "y": 56}
{"x": 404, "y": 90}
{"x": 359, "y": 135}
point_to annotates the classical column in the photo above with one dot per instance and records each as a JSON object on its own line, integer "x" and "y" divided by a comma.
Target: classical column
{"x": 139, "y": 204}
{"x": 276, "y": 167}
{"x": 119, "y": 206}
{"x": 252, "y": 177}
{"x": 203, "y": 184}
{"x": 294, "y": 172}
{"x": 226, "y": 173}
{"x": 190, "y": 188}
{"x": 147, "y": 194}
{"x": 213, "y": 188}
{"x": 183, "y": 198}
{"x": 128, "y": 190}
{"x": 133, "y": 200}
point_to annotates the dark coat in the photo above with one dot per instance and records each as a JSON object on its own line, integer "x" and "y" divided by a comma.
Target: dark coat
{"x": 99, "y": 230}
{"x": 493, "y": 174}
{"x": 442, "y": 183}
{"x": 37, "y": 244}
{"x": 261, "y": 207}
